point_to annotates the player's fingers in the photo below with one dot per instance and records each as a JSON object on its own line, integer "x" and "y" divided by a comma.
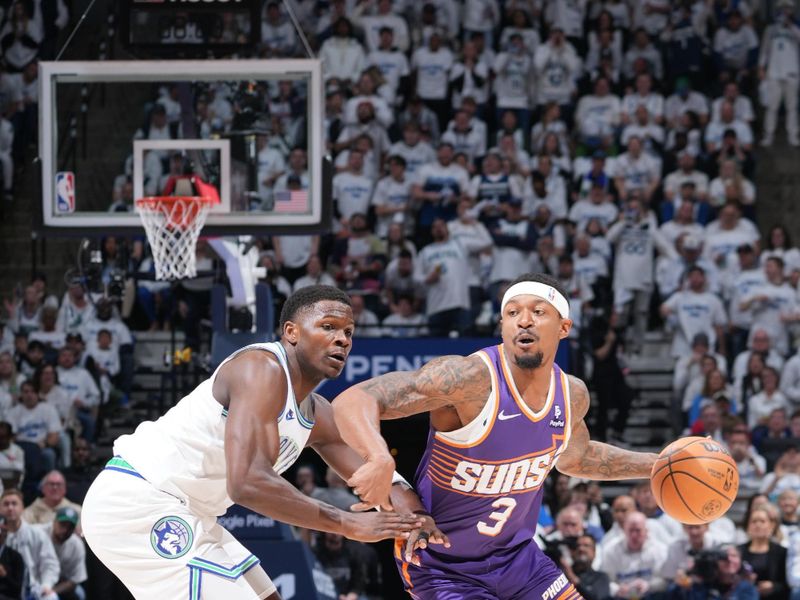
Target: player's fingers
{"x": 362, "y": 507}
{"x": 437, "y": 537}
{"x": 411, "y": 543}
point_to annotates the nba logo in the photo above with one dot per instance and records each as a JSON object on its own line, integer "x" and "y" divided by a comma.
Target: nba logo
{"x": 551, "y": 294}
{"x": 65, "y": 192}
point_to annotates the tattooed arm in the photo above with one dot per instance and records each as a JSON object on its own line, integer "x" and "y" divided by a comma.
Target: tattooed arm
{"x": 596, "y": 460}
{"x": 444, "y": 381}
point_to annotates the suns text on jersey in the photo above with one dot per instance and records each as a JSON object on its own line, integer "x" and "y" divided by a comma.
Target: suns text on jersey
{"x": 491, "y": 479}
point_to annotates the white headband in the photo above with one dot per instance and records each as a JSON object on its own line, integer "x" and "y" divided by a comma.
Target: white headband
{"x": 535, "y": 288}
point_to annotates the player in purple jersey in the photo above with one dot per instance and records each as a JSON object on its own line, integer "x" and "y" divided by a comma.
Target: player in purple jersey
{"x": 501, "y": 419}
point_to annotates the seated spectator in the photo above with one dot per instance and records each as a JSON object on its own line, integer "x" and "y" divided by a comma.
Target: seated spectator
{"x": 36, "y": 425}
{"x": 646, "y": 503}
{"x": 634, "y": 563}
{"x": 598, "y": 206}
{"x": 413, "y": 149}
{"x": 788, "y": 502}
{"x": 550, "y": 122}
{"x": 683, "y": 101}
{"x": 314, "y": 275}
{"x": 12, "y": 458}
{"x": 727, "y": 233}
{"x": 423, "y": 117}
{"x": 76, "y": 309}
{"x": 694, "y": 311}
{"x": 621, "y": 507}
{"x": 766, "y": 557}
{"x": 635, "y": 170}
{"x": 642, "y": 57}
{"x": 731, "y": 186}
{"x": 33, "y": 359}
{"x": 643, "y": 96}
{"x": 71, "y": 554}
{"x": 645, "y": 128}
{"x": 13, "y": 567}
{"x": 761, "y": 405}
{"x": 686, "y": 172}
{"x": 728, "y": 121}
{"x": 589, "y": 583}
{"x": 598, "y": 115}
{"x": 774, "y": 443}
{"x": 81, "y": 472}
{"x": 672, "y": 268}
{"x": 750, "y": 463}
{"x": 742, "y": 106}
{"x": 761, "y": 344}
{"x": 681, "y": 552}
{"x": 735, "y": 47}
{"x": 342, "y": 563}
{"x": 729, "y": 579}
{"x": 705, "y": 418}
{"x": 54, "y": 491}
{"x": 404, "y": 320}
{"x": 81, "y": 390}
{"x": 24, "y": 316}
{"x": 48, "y": 333}
{"x": 367, "y": 322}
{"x": 105, "y": 318}
{"x": 34, "y": 545}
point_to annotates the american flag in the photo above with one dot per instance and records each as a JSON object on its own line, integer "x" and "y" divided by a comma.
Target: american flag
{"x": 291, "y": 201}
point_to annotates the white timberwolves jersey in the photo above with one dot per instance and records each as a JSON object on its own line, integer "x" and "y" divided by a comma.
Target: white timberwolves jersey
{"x": 183, "y": 452}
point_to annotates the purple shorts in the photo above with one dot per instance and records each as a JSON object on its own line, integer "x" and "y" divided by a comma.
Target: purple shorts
{"x": 523, "y": 573}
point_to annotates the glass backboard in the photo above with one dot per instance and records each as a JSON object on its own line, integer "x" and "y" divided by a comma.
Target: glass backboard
{"x": 111, "y": 132}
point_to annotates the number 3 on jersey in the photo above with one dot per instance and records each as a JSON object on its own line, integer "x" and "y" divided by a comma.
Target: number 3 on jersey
{"x": 507, "y": 506}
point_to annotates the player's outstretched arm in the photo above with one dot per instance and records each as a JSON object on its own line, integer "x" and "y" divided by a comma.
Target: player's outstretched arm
{"x": 255, "y": 386}
{"x": 444, "y": 381}
{"x": 596, "y": 460}
{"x": 327, "y": 442}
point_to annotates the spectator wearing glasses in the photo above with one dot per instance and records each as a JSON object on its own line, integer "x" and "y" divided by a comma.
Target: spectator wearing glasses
{"x": 43, "y": 509}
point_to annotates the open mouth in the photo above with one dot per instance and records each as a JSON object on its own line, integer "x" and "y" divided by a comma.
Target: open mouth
{"x": 525, "y": 340}
{"x": 338, "y": 358}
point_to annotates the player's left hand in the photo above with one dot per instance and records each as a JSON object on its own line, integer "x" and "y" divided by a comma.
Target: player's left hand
{"x": 420, "y": 538}
{"x": 372, "y": 483}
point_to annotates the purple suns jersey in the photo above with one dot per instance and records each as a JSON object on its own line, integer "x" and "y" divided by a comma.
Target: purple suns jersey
{"x": 483, "y": 483}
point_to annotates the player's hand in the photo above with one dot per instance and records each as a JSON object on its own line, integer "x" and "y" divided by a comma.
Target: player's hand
{"x": 376, "y": 526}
{"x": 372, "y": 482}
{"x": 421, "y": 537}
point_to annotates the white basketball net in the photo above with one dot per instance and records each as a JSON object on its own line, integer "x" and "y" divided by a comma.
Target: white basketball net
{"x": 173, "y": 225}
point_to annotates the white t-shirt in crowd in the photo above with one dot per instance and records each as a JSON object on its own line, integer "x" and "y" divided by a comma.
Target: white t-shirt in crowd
{"x": 451, "y": 291}
{"x": 433, "y": 72}
{"x": 33, "y": 425}
{"x": 694, "y": 313}
{"x": 352, "y": 193}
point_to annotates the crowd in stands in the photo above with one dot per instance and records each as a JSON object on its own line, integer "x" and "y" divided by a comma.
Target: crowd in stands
{"x": 612, "y": 144}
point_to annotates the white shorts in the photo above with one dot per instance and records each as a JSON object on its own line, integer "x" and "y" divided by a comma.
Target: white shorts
{"x": 160, "y": 549}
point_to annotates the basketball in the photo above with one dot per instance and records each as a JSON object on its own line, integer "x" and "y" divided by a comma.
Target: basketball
{"x": 695, "y": 480}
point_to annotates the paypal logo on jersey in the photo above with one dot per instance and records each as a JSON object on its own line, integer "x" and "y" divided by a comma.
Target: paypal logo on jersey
{"x": 494, "y": 479}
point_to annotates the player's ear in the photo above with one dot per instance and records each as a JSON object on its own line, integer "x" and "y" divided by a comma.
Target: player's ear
{"x": 290, "y": 332}
{"x": 566, "y": 325}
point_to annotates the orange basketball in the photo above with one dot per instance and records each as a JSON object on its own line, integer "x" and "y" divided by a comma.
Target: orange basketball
{"x": 695, "y": 480}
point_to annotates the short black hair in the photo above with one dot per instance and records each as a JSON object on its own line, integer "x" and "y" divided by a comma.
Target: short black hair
{"x": 542, "y": 278}
{"x": 307, "y": 297}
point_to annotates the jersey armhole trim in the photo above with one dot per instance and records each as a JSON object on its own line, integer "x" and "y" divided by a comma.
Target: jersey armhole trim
{"x": 474, "y": 433}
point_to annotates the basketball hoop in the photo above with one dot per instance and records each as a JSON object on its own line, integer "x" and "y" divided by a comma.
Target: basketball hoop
{"x": 173, "y": 224}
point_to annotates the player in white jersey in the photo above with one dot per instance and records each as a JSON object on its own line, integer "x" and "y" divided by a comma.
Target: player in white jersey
{"x": 151, "y": 515}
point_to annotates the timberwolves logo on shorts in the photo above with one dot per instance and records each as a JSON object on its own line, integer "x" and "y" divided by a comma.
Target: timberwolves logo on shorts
{"x": 171, "y": 537}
